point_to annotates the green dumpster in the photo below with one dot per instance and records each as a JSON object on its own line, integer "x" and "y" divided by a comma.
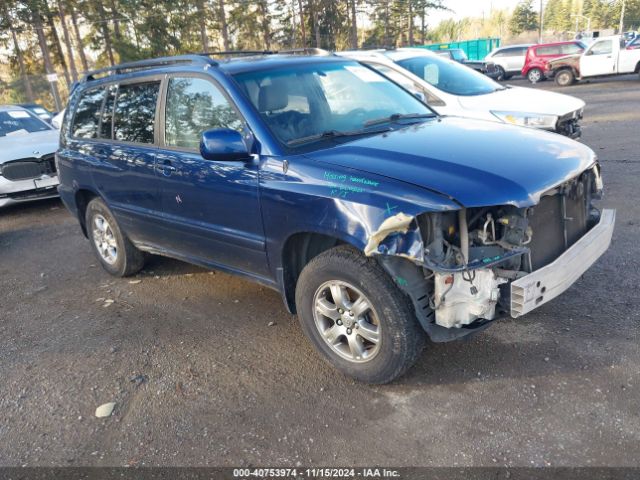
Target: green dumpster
{"x": 474, "y": 49}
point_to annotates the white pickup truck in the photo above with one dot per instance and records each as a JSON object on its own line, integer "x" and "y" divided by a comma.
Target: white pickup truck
{"x": 606, "y": 56}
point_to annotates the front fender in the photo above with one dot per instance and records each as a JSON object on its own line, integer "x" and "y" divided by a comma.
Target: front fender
{"x": 304, "y": 195}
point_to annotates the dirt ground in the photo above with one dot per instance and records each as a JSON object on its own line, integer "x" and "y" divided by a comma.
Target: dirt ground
{"x": 200, "y": 377}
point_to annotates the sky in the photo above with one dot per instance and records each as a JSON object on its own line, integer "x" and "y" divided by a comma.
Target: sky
{"x": 468, "y": 8}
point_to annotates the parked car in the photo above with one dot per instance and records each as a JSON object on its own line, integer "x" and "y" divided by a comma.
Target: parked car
{"x": 373, "y": 216}
{"x": 458, "y": 55}
{"x": 539, "y": 55}
{"x": 605, "y": 57}
{"x": 56, "y": 121}
{"x": 509, "y": 60}
{"x": 634, "y": 44}
{"x": 27, "y": 148}
{"x": 451, "y": 89}
{"x": 38, "y": 110}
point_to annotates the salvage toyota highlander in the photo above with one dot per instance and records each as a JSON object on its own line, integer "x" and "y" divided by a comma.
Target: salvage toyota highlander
{"x": 375, "y": 218}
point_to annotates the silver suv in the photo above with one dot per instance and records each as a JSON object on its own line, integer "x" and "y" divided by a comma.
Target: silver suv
{"x": 509, "y": 60}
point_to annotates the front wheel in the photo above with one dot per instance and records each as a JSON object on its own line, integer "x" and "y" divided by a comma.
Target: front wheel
{"x": 501, "y": 74}
{"x": 115, "y": 251}
{"x": 535, "y": 75}
{"x": 356, "y": 317}
{"x": 564, "y": 78}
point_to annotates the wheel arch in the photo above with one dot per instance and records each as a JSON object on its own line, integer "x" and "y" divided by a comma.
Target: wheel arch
{"x": 82, "y": 197}
{"x": 298, "y": 250}
{"x": 568, "y": 68}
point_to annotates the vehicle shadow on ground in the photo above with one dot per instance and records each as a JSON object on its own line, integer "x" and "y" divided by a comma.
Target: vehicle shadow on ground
{"x": 532, "y": 347}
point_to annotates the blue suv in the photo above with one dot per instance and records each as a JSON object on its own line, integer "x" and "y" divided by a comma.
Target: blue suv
{"x": 375, "y": 218}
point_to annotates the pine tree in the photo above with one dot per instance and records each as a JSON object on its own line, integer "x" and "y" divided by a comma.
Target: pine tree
{"x": 524, "y": 18}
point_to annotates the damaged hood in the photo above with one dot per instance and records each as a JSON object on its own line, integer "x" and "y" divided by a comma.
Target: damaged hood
{"x": 476, "y": 163}
{"x": 28, "y": 145}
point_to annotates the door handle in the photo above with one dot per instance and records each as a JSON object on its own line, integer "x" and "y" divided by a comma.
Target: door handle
{"x": 166, "y": 168}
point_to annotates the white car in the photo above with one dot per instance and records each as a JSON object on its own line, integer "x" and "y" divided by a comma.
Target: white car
{"x": 508, "y": 60}
{"x": 27, "y": 150}
{"x": 453, "y": 89}
{"x": 57, "y": 120}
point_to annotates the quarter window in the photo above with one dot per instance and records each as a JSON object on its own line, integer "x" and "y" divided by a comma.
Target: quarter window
{"x": 87, "y": 115}
{"x": 135, "y": 112}
{"x": 195, "y": 105}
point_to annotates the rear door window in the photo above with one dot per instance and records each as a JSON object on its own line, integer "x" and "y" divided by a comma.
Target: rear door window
{"x": 572, "y": 48}
{"x": 550, "y": 50}
{"x": 87, "y": 114}
{"x": 193, "y": 106}
{"x": 135, "y": 111}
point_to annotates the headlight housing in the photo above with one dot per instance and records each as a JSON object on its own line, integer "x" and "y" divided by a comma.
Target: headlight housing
{"x": 534, "y": 120}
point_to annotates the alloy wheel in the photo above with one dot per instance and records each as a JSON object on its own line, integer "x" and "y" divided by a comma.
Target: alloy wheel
{"x": 534, "y": 75}
{"x": 104, "y": 239}
{"x": 347, "y": 321}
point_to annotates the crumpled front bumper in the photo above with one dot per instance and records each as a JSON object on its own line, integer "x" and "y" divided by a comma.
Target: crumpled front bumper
{"x": 546, "y": 283}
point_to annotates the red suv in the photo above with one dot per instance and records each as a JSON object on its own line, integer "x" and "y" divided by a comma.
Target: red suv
{"x": 538, "y": 56}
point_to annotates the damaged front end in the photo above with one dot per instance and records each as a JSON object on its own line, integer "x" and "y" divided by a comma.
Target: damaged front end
{"x": 471, "y": 266}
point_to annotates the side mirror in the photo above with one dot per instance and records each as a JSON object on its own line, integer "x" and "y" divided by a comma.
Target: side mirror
{"x": 223, "y": 144}
{"x": 589, "y": 52}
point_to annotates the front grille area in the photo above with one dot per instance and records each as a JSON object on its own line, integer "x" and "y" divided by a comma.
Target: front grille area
{"x": 558, "y": 222}
{"x": 29, "y": 168}
{"x": 569, "y": 125}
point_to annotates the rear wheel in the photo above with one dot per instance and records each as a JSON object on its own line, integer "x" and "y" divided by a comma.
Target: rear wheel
{"x": 535, "y": 75}
{"x": 565, "y": 77}
{"x": 356, "y": 317}
{"x": 115, "y": 251}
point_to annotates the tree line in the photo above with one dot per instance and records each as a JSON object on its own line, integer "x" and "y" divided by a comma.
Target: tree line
{"x": 73, "y": 36}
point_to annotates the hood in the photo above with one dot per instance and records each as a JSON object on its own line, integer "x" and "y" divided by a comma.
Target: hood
{"x": 477, "y": 163}
{"x": 15, "y": 147}
{"x": 525, "y": 100}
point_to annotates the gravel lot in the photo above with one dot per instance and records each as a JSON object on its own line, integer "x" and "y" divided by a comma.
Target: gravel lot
{"x": 199, "y": 376}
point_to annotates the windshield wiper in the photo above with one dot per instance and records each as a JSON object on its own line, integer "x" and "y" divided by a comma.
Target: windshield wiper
{"x": 397, "y": 116}
{"x": 333, "y": 134}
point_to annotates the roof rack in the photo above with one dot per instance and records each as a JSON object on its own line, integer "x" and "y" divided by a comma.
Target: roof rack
{"x": 306, "y": 50}
{"x": 237, "y": 52}
{"x": 198, "y": 58}
{"x": 148, "y": 64}
{"x": 303, "y": 51}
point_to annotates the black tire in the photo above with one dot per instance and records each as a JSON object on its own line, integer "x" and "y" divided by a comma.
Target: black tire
{"x": 401, "y": 337}
{"x": 502, "y": 75}
{"x": 565, "y": 77}
{"x": 128, "y": 259}
{"x": 535, "y": 75}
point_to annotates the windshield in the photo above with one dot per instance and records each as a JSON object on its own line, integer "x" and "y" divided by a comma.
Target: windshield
{"x": 459, "y": 55}
{"x": 20, "y": 122}
{"x": 450, "y": 77}
{"x": 327, "y": 100}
